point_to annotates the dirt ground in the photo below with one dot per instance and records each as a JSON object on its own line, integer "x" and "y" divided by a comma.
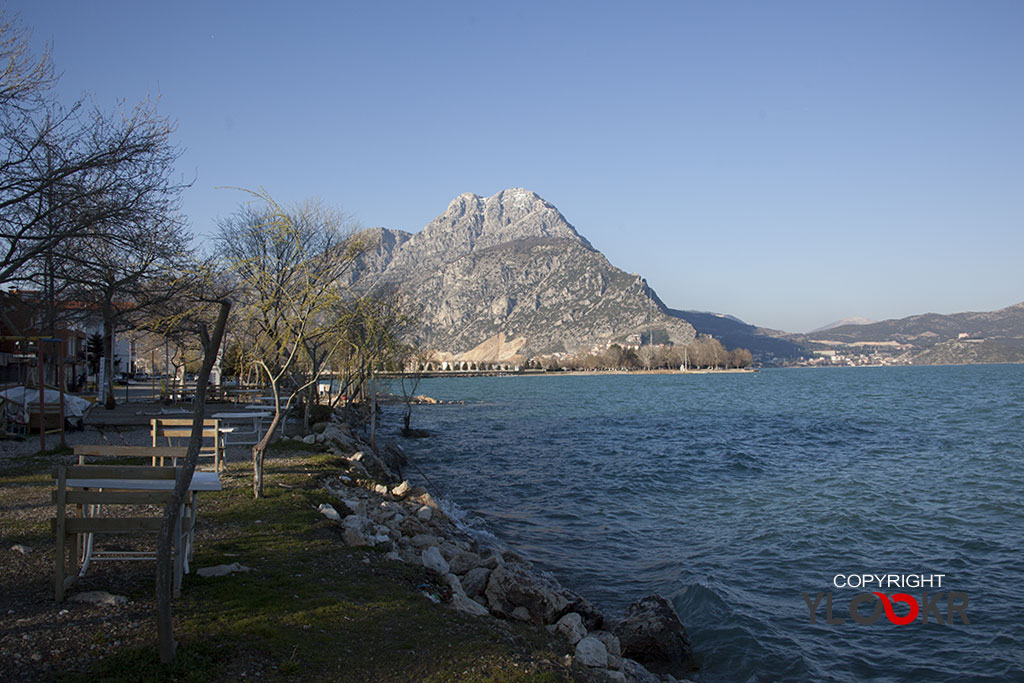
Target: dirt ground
{"x": 40, "y": 638}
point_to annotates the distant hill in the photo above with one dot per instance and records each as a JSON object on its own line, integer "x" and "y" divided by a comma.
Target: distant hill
{"x": 511, "y": 264}
{"x": 932, "y": 338}
{"x": 959, "y": 352}
{"x": 734, "y": 333}
{"x": 1005, "y": 326}
{"x": 855, "y": 320}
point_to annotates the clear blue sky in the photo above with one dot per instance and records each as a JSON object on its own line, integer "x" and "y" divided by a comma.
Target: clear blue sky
{"x": 789, "y": 163}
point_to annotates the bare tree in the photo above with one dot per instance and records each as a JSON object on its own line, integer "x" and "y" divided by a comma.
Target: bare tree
{"x": 740, "y": 358}
{"x": 68, "y": 172}
{"x": 647, "y": 355}
{"x": 719, "y": 356}
{"x": 377, "y": 327}
{"x": 134, "y": 267}
{"x": 74, "y": 175}
{"x": 25, "y": 77}
{"x": 414, "y": 361}
{"x": 288, "y": 265}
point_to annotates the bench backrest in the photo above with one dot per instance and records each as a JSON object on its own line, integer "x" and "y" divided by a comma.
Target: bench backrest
{"x": 153, "y": 453}
{"x": 170, "y": 429}
{"x": 104, "y": 507}
{"x": 63, "y": 473}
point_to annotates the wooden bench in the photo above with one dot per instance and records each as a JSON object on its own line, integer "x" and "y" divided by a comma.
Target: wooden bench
{"x": 181, "y": 428}
{"x": 93, "y": 491}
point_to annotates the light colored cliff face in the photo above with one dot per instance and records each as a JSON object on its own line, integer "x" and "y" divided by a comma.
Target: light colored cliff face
{"x": 473, "y": 223}
{"x": 512, "y": 264}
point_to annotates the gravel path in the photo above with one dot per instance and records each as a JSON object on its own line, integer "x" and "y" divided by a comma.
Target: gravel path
{"x": 131, "y": 436}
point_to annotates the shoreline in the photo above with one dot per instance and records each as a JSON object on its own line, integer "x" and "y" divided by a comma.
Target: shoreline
{"x": 487, "y": 580}
{"x": 561, "y": 373}
{"x": 304, "y": 606}
{"x": 385, "y": 519}
{"x": 703, "y": 371}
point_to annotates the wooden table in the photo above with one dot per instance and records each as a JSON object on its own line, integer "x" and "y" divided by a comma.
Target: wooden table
{"x": 249, "y": 395}
{"x": 201, "y": 481}
{"x": 253, "y": 418}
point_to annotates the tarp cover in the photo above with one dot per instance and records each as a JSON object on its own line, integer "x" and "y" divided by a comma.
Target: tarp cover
{"x": 74, "y": 406}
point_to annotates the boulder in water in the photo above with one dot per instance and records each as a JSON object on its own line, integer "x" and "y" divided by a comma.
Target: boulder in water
{"x": 652, "y": 634}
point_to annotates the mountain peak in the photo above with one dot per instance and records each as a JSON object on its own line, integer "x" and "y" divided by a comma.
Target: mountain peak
{"x": 474, "y": 222}
{"x": 511, "y": 267}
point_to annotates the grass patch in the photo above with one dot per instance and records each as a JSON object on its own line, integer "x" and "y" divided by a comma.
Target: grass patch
{"x": 29, "y": 469}
{"x": 327, "y": 461}
{"x": 297, "y": 446}
{"x": 312, "y": 608}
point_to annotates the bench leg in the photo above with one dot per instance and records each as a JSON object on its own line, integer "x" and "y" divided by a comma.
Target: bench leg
{"x": 58, "y": 565}
{"x": 65, "y": 565}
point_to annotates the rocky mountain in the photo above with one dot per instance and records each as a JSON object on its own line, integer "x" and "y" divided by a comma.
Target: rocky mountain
{"x": 511, "y": 264}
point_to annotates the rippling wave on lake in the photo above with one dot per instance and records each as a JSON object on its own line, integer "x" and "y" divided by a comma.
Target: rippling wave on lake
{"x": 732, "y": 494}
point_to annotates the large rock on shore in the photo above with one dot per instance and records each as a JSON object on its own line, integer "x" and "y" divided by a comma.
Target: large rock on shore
{"x": 432, "y": 559}
{"x": 570, "y": 626}
{"x": 461, "y": 601}
{"x": 374, "y": 465}
{"x": 394, "y": 458}
{"x": 475, "y": 581}
{"x": 592, "y": 617}
{"x": 464, "y": 561}
{"x": 591, "y": 652}
{"x": 341, "y": 439}
{"x": 636, "y": 672}
{"x": 612, "y": 645}
{"x": 652, "y": 634}
{"x": 515, "y": 584}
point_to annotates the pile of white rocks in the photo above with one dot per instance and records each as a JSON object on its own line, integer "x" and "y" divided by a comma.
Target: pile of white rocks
{"x": 336, "y": 436}
{"x": 408, "y": 523}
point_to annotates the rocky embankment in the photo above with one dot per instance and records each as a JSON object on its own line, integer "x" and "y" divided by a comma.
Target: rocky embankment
{"x": 374, "y": 506}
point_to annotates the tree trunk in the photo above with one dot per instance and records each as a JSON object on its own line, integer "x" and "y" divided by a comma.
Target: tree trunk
{"x": 108, "y": 350}
{"x": 164, "y": 572}
{"x": 259, "y": 449}
{"x": 373, "y": 414}
{"x": 343, "y": 390}
{"x": 308, "y": 409}
{"x": 257, "y": 470}
{"x": 313, "y": 390}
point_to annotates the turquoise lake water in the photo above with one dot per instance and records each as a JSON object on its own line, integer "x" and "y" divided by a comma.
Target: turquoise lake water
{"x": 734, "y": 494}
